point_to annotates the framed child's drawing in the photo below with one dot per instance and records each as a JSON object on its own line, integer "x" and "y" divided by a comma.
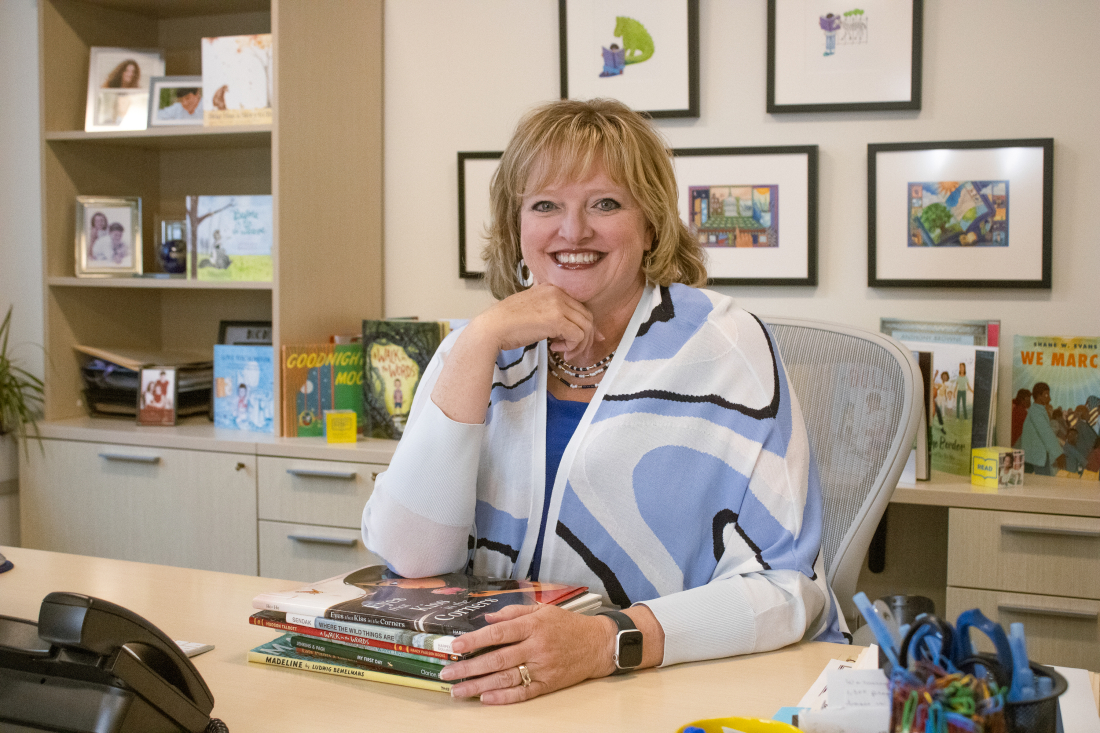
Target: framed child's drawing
{"x": 962, "y": 214}
{"x": 753, "y": 210}
{"x": 645, "y": 53}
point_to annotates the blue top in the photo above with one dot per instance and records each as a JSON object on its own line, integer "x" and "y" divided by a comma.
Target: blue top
{"x": 562, "y": 418}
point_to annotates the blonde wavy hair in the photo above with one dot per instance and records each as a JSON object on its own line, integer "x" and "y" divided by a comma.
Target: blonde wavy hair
{"x": 562, "y": 141}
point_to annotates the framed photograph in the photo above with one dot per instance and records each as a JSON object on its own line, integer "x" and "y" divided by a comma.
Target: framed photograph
{"x": 245, "y": 333}
{"x": 157, "y": 396}
{"x": 475, "y": 171}
{"x": 118, "y": 87}
{"x": 108, "y": 236}
{"x": 824, "y": 57}
{"x": 754, "y": 211}
{"x": 645, "y": 53}
{"x": 175, "y": 100}
{"x": 964, "y": 214}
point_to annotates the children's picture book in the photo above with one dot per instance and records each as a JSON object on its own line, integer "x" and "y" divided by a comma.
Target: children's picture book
{"x": 237, "y": 80}
{"x": 244, "y": 388}
{"x": 449, "y": 604}
{"x": 359, "y": 634}
{"x": 964, "y": 388}
{"x": 396, "y": 353}
{"x": 970, "y": 333}
{"x": 316, "y": 379}
{"x": 282, "y": 652}
{"x": 370, "y": 658}
{"x": 229, "y": 238}
{"x": 1056, "y": 405}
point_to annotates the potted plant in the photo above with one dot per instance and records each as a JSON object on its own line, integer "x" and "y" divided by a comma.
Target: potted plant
{"x": 20, "y": 401}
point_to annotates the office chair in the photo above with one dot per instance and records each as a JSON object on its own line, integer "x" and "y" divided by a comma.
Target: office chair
{"x": 860, "y": 394}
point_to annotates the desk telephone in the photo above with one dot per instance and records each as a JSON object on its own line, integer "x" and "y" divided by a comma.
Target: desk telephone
{"x": 90, "y": 665}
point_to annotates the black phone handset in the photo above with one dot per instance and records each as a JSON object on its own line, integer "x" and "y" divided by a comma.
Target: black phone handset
{"x": 133, "y": 650}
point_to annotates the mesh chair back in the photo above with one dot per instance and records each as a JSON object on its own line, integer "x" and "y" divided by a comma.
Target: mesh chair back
{"x": 860, "y": 396}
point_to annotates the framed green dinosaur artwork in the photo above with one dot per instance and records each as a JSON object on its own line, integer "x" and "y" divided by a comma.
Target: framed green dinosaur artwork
{"x": 645, "y": 53}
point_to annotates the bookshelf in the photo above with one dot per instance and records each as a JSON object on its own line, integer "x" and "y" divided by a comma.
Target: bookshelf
{"x": 187, "y": 495}
{"x": 321, "y": 160}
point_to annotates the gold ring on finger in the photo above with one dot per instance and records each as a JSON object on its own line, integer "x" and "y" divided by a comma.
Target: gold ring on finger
{"x": 524, "y": 675}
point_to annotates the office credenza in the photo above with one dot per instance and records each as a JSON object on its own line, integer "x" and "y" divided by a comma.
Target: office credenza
{"x": 196, "y": 605}
{"x": 1029, "y": 553}
{"x": 199, "y": 497}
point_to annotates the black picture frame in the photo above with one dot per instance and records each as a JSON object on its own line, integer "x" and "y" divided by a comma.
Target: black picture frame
{"x": 1027, "y": 174}
{"x": 245, "y": 333}
{"x": 473, "y": 206}
{"x": 775, "y": 33}
{"x": 789, "y": 166}
{"x": 691, "y": 109}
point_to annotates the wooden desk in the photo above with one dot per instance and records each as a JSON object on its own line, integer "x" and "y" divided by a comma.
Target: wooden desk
{"x": 211, "y": 607}
{"x": 1027, "y": 553}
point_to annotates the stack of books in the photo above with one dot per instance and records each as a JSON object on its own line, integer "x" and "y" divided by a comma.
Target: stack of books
{"x": 372, "y": 624}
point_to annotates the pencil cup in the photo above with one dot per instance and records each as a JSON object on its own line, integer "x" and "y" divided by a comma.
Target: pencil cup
{"x": 1039, "y": 714}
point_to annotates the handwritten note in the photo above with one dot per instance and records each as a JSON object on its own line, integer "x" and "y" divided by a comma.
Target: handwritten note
{"x": 858, "y": 688}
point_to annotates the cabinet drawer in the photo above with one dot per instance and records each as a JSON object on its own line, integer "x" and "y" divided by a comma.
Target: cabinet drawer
{"x": 315, "y": 492}
{"x": 186, "y": 508}
{"x": 1062, "y": 631}
{"x": 1025, "y": 553}
{"x": 308, "y": 552}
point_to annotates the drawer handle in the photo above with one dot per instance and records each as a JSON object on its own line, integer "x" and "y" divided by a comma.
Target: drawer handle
{"x": 1025, "y": 529}
{"x": 1035, "y": 610}
{"x": 129, "y": 458}
{"x": 317, "y": 539}
{"x": 315, "y": 473}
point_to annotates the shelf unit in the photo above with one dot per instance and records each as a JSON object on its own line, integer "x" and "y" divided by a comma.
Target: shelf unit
{"x": 321, "y": 160}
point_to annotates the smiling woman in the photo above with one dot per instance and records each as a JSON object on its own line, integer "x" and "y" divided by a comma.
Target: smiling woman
{"x": 607, "y": 375}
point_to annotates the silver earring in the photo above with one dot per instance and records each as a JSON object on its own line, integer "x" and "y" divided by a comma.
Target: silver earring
{"x": 525, "y": 280}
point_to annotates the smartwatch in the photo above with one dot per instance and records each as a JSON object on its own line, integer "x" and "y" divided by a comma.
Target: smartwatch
{"x": 628, "y": 643}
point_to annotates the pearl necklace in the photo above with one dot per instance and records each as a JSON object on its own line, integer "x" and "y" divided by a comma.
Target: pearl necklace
{"x": 578, "y": 372}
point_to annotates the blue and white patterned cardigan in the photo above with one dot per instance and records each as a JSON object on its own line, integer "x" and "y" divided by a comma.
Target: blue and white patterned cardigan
{"x": 688, "y": 486}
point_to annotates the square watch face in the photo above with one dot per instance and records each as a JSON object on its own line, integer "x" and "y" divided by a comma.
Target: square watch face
{"x": 630, "y": 649}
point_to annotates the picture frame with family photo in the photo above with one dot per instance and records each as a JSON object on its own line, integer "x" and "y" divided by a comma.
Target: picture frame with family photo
{"x": 118, "y": 87}
{"x": 157, "y": 396}
{"x": 108, "y": 236}
{"x": 175, "y": 100}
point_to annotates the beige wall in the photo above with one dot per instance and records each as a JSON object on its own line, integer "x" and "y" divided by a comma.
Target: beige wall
{"x": 20, "y": 205}
{"x": 458, "y": 75}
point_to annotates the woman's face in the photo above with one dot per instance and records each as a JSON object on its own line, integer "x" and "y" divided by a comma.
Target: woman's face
{"x": 99, "y": 221}
{"x": 587, "y": 237}
{"x": 129, "y": 74}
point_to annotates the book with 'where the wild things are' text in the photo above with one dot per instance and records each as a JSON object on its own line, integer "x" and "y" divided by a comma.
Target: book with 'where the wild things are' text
{"x": 396, "y": 353}
{"x": 448, "y": 604}
{"x": 391, "y": 641}
{"x": 1056, "y": 405}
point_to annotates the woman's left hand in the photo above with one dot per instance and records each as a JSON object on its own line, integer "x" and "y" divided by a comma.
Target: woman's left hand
{"x": 559, "y": 648}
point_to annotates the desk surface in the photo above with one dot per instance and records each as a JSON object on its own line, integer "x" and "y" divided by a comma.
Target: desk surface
{"x": 1042, "y": 494}
{"x": 197, "y": 605}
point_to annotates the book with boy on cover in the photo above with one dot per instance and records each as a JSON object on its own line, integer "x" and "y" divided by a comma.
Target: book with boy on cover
{"x": 396, "y": 353}
{"x": 283, "y": 652}
{"x": 1056, "y": 405}
{"x": 450, "y": 604}
{"x": 244, "y": 388}
{"x": 316, "y": 379}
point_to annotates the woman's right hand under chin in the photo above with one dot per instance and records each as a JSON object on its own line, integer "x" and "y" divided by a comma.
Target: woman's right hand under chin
{"x": 540, "y": 312}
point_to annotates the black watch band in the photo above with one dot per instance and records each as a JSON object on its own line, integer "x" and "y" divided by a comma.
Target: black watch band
{"x": 628, "y": 642}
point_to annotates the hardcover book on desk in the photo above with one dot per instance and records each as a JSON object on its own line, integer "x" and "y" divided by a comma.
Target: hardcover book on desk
{"x": 319, "y": 378}
{"x": 1056, "y": 404}
{"x": 243, "y": 388}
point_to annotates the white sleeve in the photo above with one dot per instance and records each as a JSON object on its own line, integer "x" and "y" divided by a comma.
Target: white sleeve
{"x": 419, "y": 517}
{"x": 737, "y": 615}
